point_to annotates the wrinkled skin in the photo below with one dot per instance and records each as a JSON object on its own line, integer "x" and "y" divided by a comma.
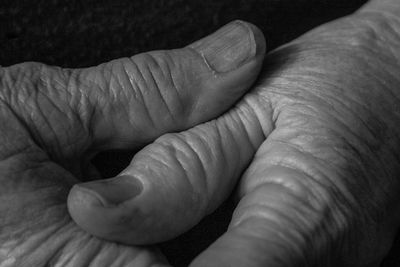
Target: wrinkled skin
{"x": 53, "y": 120}
{"x": 320, "y": 132}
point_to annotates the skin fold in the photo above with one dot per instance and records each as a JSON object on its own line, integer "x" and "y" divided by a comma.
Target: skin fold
{"x": 53, "y": 120}
{"x": 313, "y": 147}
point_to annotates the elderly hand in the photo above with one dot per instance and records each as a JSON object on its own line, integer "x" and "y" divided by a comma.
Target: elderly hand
{"x": 53, "y": 120}
{"x": 321, "y": 134}
{"x": 323, "y": 187}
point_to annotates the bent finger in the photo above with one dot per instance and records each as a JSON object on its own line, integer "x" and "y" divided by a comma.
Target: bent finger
{"x": 174, "y": 182}
{"x": 129, "y": 102}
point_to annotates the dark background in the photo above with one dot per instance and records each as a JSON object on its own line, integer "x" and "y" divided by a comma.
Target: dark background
{"x": 73, "y": 33}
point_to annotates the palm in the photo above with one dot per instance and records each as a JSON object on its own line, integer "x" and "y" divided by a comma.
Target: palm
{"x": 38, "y": 231}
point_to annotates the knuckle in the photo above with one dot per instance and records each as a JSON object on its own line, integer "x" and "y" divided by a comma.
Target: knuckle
{"x": 157, "y": 78}
{"x": 37, "y": 95}
{"x": 17, "y": 85}
{"x": 286, "y": 211}
{"x": 272, "y": 212}
{"x": 182, "y": 156}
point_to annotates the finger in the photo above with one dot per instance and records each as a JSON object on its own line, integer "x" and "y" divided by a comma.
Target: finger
{"x": 278, "y": 220}
{"x": 36, "y": 229}
{"x": 131, "y": 101}
{"x": 299, "y": 199}
{"x": 174, "y": 182}
{"x": 174, "y": 90}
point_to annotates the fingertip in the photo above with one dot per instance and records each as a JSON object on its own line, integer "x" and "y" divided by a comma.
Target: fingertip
{"x": 258, "y": 39}
{"x": 113, "y": 191}
{"x": 77, "y": 196}
{"x": 102, "y": 212}
{"x": 119, "y": 210}
{"x": 231, "y": 47}
{"x": 81, "y": 203}
{"x": 219, "y": 90}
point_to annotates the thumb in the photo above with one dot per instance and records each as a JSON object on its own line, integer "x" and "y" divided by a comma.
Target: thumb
{"x": 140, "y": 98}
{"x": 174, "y": 182}
{"x": 170, "y": 172}
{"x": 129, "y": 102}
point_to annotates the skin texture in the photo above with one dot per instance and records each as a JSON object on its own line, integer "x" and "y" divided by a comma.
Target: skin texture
{"x": 320, "y": 134}
{"x": 53, "y": 120}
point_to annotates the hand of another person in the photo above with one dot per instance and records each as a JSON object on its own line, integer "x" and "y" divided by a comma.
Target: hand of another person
{"x": 321, "y": 134}
{"x": 53, "y": 120}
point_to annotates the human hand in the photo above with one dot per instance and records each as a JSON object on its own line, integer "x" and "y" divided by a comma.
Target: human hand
{"x": 322, "y": 188}
{"x": 53, "y": 120}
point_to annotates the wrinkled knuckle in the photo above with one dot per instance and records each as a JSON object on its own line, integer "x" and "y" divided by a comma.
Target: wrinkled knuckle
{"x": 314, "y": 221}
{"x": 297, "y": 182}
{"x": 364, "y": 37}
{"x": 377, "y": 20}
{"x": 307, "y": 176}
{"x": 322, "y": 159}
{"x": 38, "y": 96}
{"x": 17, "y": 84}
{"x": 273, "y": 210}
{"x": 21, "y": 85}
{"x": 178, "y": 153}
{"x": 322, "y": 134}
{"x": 158, "y": 78}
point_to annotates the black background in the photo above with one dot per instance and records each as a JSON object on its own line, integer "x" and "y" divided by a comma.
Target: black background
{"x": 73, "y": 33}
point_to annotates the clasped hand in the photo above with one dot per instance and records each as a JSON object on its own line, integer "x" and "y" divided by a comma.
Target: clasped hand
{"x": 313, "y": 148}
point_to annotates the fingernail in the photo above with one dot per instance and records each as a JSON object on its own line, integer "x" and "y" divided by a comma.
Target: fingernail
{"x": 113, "y": 191}
{"x": 231, "y": 46}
